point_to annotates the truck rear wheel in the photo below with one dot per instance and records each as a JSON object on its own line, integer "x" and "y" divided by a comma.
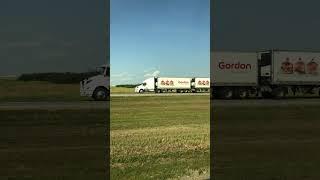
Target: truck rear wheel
{"x": 101, "y": 94}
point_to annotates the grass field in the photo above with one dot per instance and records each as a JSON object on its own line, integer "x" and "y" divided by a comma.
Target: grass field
{"x": 122, "y": 90}
{"x": 154, "y": 137}
{"x": 63, "y": 144}
{"x": 12, "y": 90}
{"x": 266, "y": 143}
{"x": 159, "y": 137}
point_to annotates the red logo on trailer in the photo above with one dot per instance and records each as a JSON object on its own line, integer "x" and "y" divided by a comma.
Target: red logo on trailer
{"x": 167, "y": 83}
{"x": 238, "y": 65}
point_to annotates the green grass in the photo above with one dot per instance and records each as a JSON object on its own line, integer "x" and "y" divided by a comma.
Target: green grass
{"x": 122, "y": 90}
{"x": 12, "y": 90}
{"x": 159, "y": 137}
{"x": 267, "y": 143}
{"x": 64, "y": 144}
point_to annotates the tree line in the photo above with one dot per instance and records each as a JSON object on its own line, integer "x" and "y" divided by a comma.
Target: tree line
{"x": 58, "y": 78}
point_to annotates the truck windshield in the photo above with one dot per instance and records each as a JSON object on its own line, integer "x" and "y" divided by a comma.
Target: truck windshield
{"x": 144, "y": 84}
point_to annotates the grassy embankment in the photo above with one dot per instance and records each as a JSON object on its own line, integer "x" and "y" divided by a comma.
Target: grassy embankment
{"x": 159, "y": 137}
{"x": 122, "y": 90}
{"x": 12, "y": 90}
{"x": 267, "y": 143}
{"x": 57, "y": 144}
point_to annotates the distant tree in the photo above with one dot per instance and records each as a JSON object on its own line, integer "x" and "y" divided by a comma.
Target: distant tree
{"x": 58, "y": 78}
{"x": 127, "y": 85}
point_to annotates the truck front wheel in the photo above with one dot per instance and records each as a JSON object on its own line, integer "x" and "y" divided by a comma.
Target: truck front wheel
{"x": 141, "y": 91}
{"x": 100, "y": 94}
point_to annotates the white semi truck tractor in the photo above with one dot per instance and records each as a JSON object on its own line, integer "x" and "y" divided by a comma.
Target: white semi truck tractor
{"x": 97, "y": 87}
{"x": 268, "y": 74}
{"x": 174, "y": 84}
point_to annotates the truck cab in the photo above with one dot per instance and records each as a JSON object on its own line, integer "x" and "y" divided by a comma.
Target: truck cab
{"x": 146, "y": 86}
{"x": 97, "y": 86}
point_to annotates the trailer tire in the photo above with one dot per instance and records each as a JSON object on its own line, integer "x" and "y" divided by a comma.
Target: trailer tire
{"x": 241, "y": 93}
{"x": 227, "y": 93}
{"x": 266, "y": 94}
{"x": 279, "y": 93}
{"x": 101, "y": 94}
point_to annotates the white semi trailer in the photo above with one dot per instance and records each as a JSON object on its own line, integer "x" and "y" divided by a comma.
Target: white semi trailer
{"x": 234, "y": 74}
{"x": 171, "y": 84}
{"x": 98, "y": 86}
{"x": 271, "y": 73}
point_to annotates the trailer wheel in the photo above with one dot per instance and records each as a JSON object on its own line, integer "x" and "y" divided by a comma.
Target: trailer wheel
{"x": 227, "y": 93}
{"x": 266, "y": 94}
{"x": 101, "y": 94}
{"x": 240, "y": 93}
{"x": 279, "y": 93}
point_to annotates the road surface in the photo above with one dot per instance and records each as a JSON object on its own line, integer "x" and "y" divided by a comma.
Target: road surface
{"x": 267, "y": 102}
{"x": 105, "y": 105}
{"x": 160, "y": 94}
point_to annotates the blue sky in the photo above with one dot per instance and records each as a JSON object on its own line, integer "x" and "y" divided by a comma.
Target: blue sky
{"x": 159, "y": 37}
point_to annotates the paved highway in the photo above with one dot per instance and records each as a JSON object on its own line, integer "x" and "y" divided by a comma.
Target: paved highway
{"x": 105, "y": 105}
{"x": 160, "y": 94}
{"x": 267, "y": 102}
